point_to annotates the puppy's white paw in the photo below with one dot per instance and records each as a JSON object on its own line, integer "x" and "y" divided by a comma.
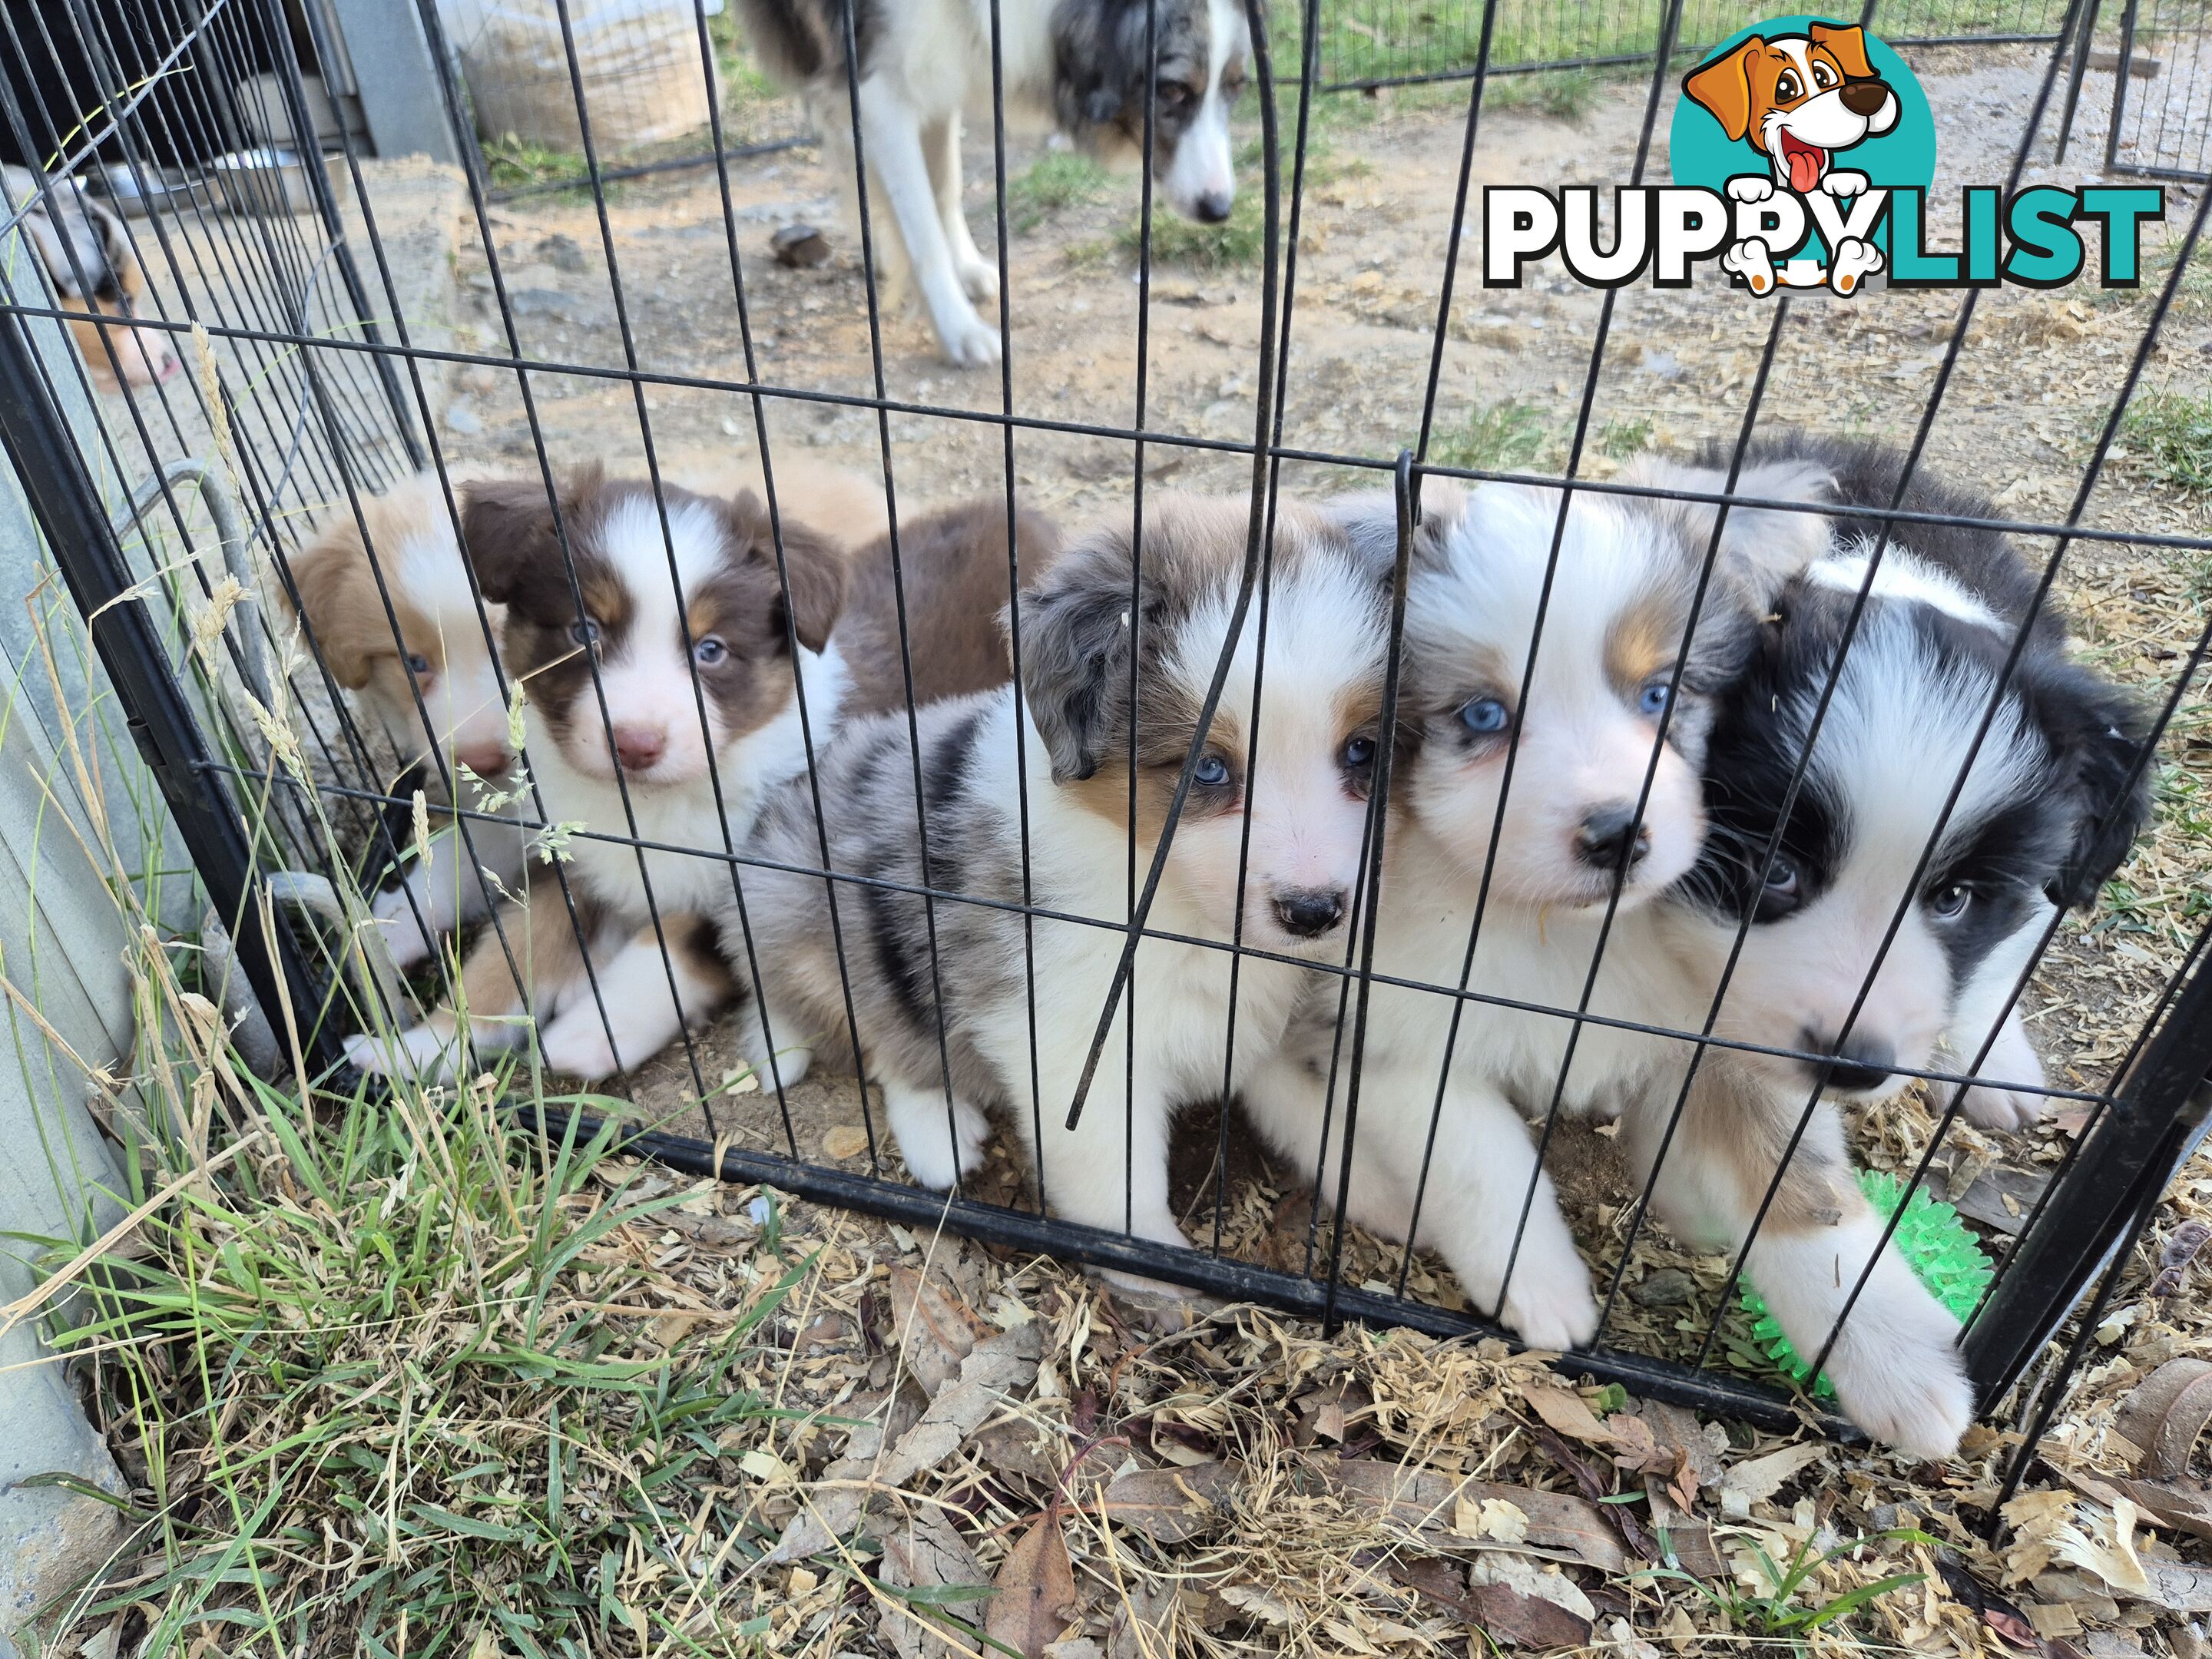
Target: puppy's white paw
{"x": 576, "y": 1043}
{"x": 1550, "y": 1304}
{"x": 2003, "y": 1108}
{"x": 969, "y": 341}
{"x": 1914, "y": 1395}
{"x": 422, "y": 1052}
{"x": 930, "y": 1159}
{"x": 1750, "y": 187}
{"x": 403, "y": 933}
{"x": 1844, "y": 183}
{"x": 791, "y": 1066}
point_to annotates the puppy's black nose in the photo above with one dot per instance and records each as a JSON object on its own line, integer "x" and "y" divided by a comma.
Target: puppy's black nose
{"x": 1212, "y": 208}
{"x": 1610, "y": 838}
{"x": 1307, "y": 911}
{"x": 1862, "y": 1062}
{"x": 1864, "y": 97}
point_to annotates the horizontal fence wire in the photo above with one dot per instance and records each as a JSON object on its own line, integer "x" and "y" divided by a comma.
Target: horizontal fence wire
{"x": 316, "y": 384}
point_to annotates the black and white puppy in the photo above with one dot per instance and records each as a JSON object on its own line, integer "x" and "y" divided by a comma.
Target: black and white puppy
{"x": 2046, "y": 811}
{"x": 1079, "y": 65}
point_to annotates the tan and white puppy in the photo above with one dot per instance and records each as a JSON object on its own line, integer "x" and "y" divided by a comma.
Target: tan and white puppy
{"x": 391, "y": 605}
{"x": 1087, "y": 629}
{"x": 1581, "y": 744}
{"x": 86, "y": 252}
{"x": 673, "y": 706}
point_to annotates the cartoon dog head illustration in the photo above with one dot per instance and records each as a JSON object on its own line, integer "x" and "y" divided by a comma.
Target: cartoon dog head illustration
{"x": 1798, "y": 98}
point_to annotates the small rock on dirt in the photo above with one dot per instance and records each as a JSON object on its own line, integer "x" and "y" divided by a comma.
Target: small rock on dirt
{"x": 800, "y": 246}
{"x": 1669, "y": 1287}
{"x": 563, "y": 252}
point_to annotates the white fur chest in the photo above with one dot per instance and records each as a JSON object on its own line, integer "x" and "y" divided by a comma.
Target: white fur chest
{"x": 1524, "y": 963}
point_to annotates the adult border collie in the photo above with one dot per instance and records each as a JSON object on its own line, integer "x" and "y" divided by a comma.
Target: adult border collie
{"x": 1080, "y": 65}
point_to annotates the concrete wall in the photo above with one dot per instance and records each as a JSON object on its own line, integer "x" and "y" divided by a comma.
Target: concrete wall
{"x": 62, "y": 945}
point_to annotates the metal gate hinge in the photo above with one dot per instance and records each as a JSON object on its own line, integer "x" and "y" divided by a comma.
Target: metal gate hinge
{"x": 156, "y": 763}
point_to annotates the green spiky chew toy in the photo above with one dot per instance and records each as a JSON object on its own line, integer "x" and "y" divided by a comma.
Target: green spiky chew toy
{"x": 1935, "y": 1244}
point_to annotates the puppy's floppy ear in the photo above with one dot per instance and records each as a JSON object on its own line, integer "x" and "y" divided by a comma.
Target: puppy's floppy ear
{"x": 2098, "y": 729}
{"x": 1761, "y": 548}
{"x": 818, "y": 570}
{"x": 337, "y": 593}
{"x": 507, "y": 529}
{"x": 1076, "y": 635}
{"x": 1723, "y": 88}
{"x": 1370, "y": 519}
{"x": 1849, "y": 46}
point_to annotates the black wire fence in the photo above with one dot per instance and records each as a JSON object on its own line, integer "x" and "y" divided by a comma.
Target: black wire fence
{"x": 305, "y": 380}
{"x": 2161, "y": 114}
{"x": 1381, "y": 43}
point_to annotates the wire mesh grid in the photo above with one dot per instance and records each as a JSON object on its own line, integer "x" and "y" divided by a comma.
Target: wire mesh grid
{"x": 315, "y": 395}
{"x": 2161, "y": 120}
{"x": 1379, "y": 43}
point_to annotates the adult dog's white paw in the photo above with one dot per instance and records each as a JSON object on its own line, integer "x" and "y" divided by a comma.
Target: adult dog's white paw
{"x": 1844, "y": 183}
{"x": 969, "y": 341}
{"x": 1750, "y": 187}
{"x": 979, "y": 279}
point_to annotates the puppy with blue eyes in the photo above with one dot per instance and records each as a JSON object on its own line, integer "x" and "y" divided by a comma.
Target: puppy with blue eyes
{"x": 1520, "y": 808}
{"x": 958, "y": 987}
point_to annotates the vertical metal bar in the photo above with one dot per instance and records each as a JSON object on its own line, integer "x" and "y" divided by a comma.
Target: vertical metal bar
{"x": 2103, "y": 1200}
{"x": 2082, "y": 42}
{"x": 43, "y": 450}
{"x": 2120, "y": 83}
{"x": 1379, "y": 818}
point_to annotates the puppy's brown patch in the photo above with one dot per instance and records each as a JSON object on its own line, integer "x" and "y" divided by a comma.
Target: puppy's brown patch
{"x": 344, "y": 605}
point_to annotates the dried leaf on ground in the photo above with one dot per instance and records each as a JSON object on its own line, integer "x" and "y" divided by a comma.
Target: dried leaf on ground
{"x": 1759, "y": 1478}
{"x": 1168, "y": 1505}
{"x": 1034, "y": 1586}
{"x": 935, "y": 1329}
{"x": 924, "y": 1553}
{"x": 1428, "y": 1502}
{"x": 1144, "y": 1622}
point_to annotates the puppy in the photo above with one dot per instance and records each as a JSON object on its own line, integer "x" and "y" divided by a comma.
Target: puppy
{"x": 1079, "y": 65}
{"x": 86, "y": 253}
{"x": 1582, "y": 744}
{"x": 697, "y": 739}
{"x": 401, "y": 552}
{"x": 1089, "y": 626}
{"x": 1797, "y": 100}
{"x": 389, "y": 606}
{"x": 2046, "y": 813}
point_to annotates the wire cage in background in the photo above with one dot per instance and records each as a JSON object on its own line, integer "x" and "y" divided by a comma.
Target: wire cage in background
{"x": 664, "y": 86}
{"x": 1380, "y": 43}
{"x": 313, "y": 378}
{"x": 2161, "y": 114}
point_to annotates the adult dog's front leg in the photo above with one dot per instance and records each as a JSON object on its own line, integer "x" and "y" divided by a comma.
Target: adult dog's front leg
{"x": 891, "y": 129}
